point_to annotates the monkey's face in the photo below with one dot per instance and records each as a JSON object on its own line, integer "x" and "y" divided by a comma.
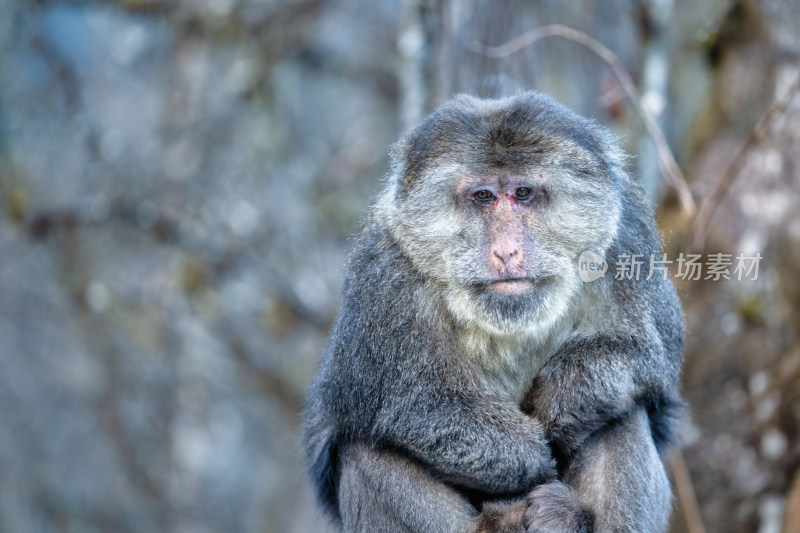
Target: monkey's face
{"x": 496, "y": 201}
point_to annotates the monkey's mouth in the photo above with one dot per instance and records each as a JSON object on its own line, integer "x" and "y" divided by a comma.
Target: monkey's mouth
{"x": 512, "y": 286}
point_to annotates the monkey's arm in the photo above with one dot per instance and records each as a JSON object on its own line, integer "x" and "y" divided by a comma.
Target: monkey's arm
{"x": 464, "y": 439}
{"x": 471, "y": 440}
{"x": 447, "y": 442}
{"x": 616, "y": 483}
{"x": 593, "y": 381}
{"x": 385, "y": 491}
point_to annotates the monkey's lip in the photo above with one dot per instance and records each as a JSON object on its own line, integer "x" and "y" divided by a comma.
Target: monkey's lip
{"x": 511, "y": 285}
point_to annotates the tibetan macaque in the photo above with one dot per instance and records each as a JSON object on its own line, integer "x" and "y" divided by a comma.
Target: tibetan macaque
{"x": 473, "y": 382}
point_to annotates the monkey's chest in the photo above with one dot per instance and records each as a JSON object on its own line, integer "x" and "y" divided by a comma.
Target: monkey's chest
{"x": 511, "y": 375}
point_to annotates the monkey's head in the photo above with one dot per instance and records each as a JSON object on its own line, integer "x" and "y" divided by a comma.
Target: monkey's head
{"x": 493, "y": 201}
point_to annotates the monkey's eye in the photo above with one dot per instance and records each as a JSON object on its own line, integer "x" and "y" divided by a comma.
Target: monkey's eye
{"x": 483, "y": 196}
{"x": 522, "y": 193}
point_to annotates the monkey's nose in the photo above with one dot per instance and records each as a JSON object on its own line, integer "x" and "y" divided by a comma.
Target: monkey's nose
{"x": 508, "y": 257}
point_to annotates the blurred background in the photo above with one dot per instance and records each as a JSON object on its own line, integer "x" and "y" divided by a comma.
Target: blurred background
{"x": 180, "y": 181}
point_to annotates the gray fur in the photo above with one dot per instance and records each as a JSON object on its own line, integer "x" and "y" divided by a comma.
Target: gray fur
{"x": 437, "y": 401}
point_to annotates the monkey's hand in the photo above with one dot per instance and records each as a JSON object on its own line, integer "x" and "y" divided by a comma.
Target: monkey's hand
{"x": 550, "y": 508}
{"x": 502, "y": 517}
{"x": 554, "y": 508}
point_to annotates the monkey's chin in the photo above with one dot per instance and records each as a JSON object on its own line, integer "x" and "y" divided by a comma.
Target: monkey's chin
{"x": 513, "y": 307}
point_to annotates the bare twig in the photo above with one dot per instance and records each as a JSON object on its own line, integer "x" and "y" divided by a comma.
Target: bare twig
{"x": 268, "y": 381}
{"x": 666, "y": 160}
{"x": 685, "y": 493}
{"x": 113, "y": 421}
{"x": 756, "y": 137}
{"x": 791, "y": 518}
{"x": 166, "y": 230}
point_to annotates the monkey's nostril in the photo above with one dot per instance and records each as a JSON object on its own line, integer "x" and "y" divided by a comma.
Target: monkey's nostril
{"x": 506, "y": 258}
{"x": 505, "y": 255}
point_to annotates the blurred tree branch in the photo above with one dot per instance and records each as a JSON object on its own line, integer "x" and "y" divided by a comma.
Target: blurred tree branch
{"x": 669, "y": 167}
{"x": 271, "y": 383}
{"x": 166, "y": 230}
{"x": 791, "y": 521}
{"x": 757, "y": 135}
{"x": 685, "y": 492}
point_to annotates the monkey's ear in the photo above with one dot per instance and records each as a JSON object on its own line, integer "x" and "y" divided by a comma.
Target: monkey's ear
{"x": 415, "y": 152}
{"x": 408, "y": 157}
{"x": 387, "y": 202}
{"x": 398, "y": 154}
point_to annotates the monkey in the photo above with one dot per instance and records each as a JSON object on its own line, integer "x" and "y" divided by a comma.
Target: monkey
{"x": 472, "y": 381}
